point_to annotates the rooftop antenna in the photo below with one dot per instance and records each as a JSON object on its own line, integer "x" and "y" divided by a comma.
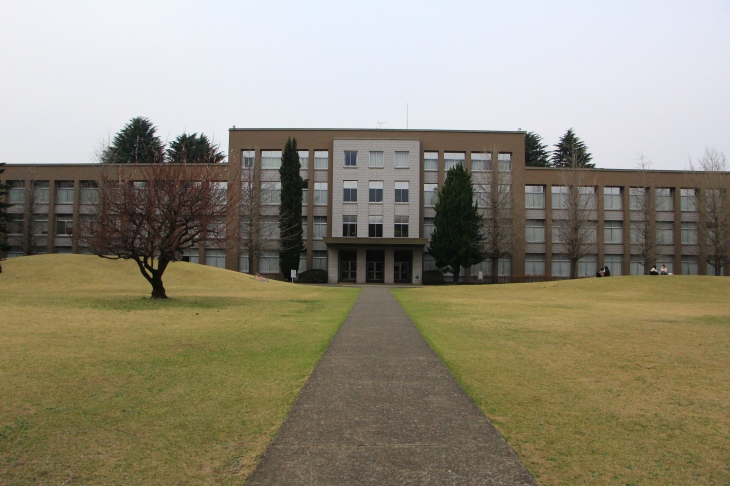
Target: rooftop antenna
{"x": 380, "y": 124}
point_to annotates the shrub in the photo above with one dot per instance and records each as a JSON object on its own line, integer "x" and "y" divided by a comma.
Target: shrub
{"x": 433, "y": 277}
{"x": 315, "y": 275}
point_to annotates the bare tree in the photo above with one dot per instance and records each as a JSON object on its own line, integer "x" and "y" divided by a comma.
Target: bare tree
{"x": 151, "y": 214}
{"x": 573, "y": 219}
{"x": 493, "y": 189}
{"x": 643, "y": 237}
{"x": 713, "y": 204}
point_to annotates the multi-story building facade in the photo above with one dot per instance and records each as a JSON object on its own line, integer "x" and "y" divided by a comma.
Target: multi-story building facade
{"x": 368, "y": 206}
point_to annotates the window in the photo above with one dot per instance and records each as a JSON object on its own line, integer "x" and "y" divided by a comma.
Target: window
{"x": 270, "y": 228}
{"x": 401, "y": 160}
{"x": 612, "y": 198}
{"x": 376, "y": 160}
{"x": 430, "y": 194}
{"x": 40, "y": 224}
{"x": 664, "y": 199}
{"x": 479, "y": 161}
{"x": 191, "y": 255}
{"x": 535, "y": 197}
{"x": 587, "y": 197}
{"x": 636, "y": 265}
{"x": 504, "y": 267}
{"x": 587, "y": 266}
{"x": 64, "y": 224}
{"x": 16, "y": 194}
{"x": 303, "y": 158}
{"x": 559, "y": 197}
{"x": 613, "y": 232}
{"x": 319, "y": 259}
{"x": 688, "y": 201}
{"x": 505, "y": 162}
{"x": 452, "y": 159}
{"x": 271, "y": 193}
{"x": 401, "y": 227}
{"x": 376, "y": 192}
{"x": 401, "y": 192}
{"x": 429, "y": 263}
{"x": 215, "y": 258}
{"x": 664, "y": 233}
{"x": 614, "y": 264}
{"x": 305, "y": 196}
{"x": 321, "y": 159}
{"x": 269, "y": 262}
{"x": 428, "y": 227}
{"x": 480, "y": 196}
{"x": 15, "y": 224}
{"x": 375, "y": 226}
{"x": 430, "y": 161}
{"x": 304, "y": 228}
{"x": 637, "y": 198}
{"x": 560, "y": 266}
{"x": 349, "y": 226}
{"x": 302, "y": 262}
{"x": 638, "y": 233}
{"x": 41, "y": 190}
{"x": 535, "y": 264}
{"x": 271, "y": 159}
{"x": 535, "y": 231}
{"x": 349, "y": 191}
{"x": 64, "y": 192}
{"x": 247, "y": 158}
{"x": 690, "y": 265}
{"x": 689, "y": 233}
{"x": 320, "y": 193}
{"x": 711, "y": 267}
{"x": 89, "y": 193}
{"x": 319, "y": 227}
{"x": 350, "y": 158}
{"x": 243, "y": 262}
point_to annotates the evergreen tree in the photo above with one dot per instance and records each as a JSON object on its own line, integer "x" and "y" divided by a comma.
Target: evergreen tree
{"x": 536, "y": 154}
{"x": 194, "y": 149}
{"x": 4, "y": 188}
{"x": 136, "y": 143}
{"x": 457, "y": 239}
{"x": 290, "y": 209}
{"x": 571, "y": 150}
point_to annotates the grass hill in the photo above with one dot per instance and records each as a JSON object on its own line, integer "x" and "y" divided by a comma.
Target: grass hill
{"x": 100, "y": 384}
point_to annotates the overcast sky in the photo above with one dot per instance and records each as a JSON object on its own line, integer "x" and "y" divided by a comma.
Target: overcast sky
{"x": 647, "y": 77}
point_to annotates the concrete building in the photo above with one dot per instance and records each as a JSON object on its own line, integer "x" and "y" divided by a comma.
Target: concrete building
{"x": 368, "y": 206}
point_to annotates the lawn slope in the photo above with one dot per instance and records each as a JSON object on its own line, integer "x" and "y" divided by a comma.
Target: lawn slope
{"x": 100, "y": 384}
{"x": 621, "y": 380}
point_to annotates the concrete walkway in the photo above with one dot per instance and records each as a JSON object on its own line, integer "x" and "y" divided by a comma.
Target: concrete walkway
{"x": 381, "y": 408}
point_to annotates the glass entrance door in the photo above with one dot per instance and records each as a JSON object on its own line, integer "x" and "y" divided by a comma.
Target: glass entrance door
{"x": 375, "y": 266}
{"x": 348, "y": 266}
{"x": 402, "y": 269}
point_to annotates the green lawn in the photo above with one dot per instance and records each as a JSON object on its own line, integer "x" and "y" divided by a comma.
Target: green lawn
{"x": 621, "y": 380}
{"x": 99, "y": 384}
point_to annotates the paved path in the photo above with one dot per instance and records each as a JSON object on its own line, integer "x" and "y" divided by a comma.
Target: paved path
{"x": 381, "y": 408}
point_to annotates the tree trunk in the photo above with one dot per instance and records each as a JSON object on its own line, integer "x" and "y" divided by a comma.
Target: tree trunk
{"x": 495, "y": 270}
{"x": 573, "y": 268}
{"x": 158, "y": 290}
{"x": 457, "y": 271}
{"x": 718, "y": 266}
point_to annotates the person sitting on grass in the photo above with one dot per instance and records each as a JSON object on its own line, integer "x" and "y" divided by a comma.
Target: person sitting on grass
{"x": 653, "y": 270}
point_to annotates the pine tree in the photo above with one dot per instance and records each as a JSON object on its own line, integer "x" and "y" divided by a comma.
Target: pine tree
{"x": 457, "y": 239}
{"x": 4, "y": 188}
{"x": 290, "y": 209}
{"x": 194, "y": 149}
{"x": 571, "y": 150}
{"x": 536, "y": 154}
{"x": 136, "y": 143}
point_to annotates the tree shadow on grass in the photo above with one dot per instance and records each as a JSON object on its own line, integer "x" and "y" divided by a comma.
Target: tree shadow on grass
{"x": 134, "y": 303}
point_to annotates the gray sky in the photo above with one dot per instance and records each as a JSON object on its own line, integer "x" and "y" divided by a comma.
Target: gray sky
{"x": 647, "y": 77}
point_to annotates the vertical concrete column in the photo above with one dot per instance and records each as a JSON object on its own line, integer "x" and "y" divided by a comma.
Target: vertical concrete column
{"x": 333, "y": 265}
{"x": 417, "y": 271}
{"x": 361, "y": 265}
{"x": 389, "y": 270}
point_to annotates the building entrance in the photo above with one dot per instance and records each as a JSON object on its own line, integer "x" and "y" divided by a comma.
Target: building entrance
{"x": 375, "y": 266}
{"x": 403, "y": 263}
{"x": 348, "y": 266}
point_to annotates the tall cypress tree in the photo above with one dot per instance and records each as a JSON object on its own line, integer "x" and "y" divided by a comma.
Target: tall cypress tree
{"x": 136, "y": 143}
{"x": 4, "y": 188}
{"x": 457, "y": 239}
{"x": 571, "y": 151}
{"x": 536, "y": 154}
{"x": 290, "y": 210}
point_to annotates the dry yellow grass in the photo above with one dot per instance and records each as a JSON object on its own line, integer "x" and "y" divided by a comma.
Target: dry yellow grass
{"x": 100, "y": 384}
{"x": 622, "y": 380}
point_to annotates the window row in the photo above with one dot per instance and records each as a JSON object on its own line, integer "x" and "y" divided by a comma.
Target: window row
{"x": 613, "y": 232}
{"x": 375, "y": 191}
{"x": 375, "y": 226}
{"x": 40, "y": 194}
{"x": 376, "y": 159}
{"x": 480, "y": 161}
{"x": 639, "y": 198}
{"x": 271, "y": 159}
